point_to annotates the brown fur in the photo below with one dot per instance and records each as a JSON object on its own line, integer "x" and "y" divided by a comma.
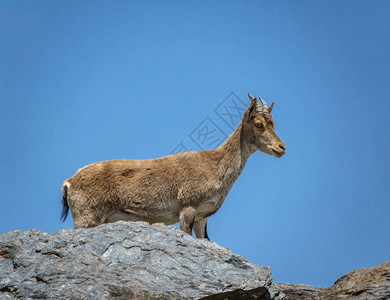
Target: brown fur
{"x": 187, "y": 187}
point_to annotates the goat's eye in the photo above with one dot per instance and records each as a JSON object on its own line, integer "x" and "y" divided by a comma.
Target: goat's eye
{"x": 259, "y": 125}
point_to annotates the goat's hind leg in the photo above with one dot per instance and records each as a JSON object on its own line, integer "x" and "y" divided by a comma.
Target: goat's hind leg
{"x": 85, "y": 221}
{"x": 83, "y": 218}
{"x": 200, "y": 228}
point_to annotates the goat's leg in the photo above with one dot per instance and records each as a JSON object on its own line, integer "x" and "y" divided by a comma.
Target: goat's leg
{"x": 200, "y": 228}
{"x": 85, "y": 218}
{"x": 187, "y": 218}
{"x": 85, "y": 221}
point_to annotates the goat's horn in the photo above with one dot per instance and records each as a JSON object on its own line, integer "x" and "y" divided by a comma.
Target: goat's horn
{"x": 251, "y": 97}
{"x": 270, "y": 108}
{"x": 265, "y": 107}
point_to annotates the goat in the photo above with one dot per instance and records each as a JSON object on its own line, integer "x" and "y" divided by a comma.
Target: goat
{"x": 187, "y": 187}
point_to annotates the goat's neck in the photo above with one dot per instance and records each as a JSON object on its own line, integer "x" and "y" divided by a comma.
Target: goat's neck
{"x": 234, "y": 152}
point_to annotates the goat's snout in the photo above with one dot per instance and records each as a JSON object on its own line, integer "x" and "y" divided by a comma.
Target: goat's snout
{"x": 282, "y": 146}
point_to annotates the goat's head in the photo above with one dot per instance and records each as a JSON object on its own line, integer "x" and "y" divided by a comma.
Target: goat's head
{"x": 259, "y": 129}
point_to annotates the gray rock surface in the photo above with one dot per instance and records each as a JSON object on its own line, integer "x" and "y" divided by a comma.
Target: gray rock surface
{"x": 124, "y": 260}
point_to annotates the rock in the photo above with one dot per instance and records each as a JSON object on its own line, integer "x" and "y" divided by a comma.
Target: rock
{"x": 285, "y": 291}
{"x": 365, "y": 283}
{"x": 124, "y": 260}
{"x": 370, "y": 283}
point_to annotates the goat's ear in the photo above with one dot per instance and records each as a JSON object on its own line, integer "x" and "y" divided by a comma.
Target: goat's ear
{"x": 251, "y": 109}
{"x": 270, "y": 108}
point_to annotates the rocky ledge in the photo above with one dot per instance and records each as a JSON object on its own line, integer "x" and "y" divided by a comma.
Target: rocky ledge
{"x": 125, "y": 260}
{"x": 362, "y": 284}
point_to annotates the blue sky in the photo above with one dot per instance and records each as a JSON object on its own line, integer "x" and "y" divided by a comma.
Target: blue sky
{"x": 91, "y": 81}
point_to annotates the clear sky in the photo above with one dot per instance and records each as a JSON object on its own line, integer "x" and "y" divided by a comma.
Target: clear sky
{"x": 87, "y": 81}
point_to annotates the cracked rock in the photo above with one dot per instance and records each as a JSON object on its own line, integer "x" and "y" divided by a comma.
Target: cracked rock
{"x": 124, "y": 260}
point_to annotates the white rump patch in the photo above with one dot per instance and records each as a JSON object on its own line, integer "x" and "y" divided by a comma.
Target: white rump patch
{"x": 66, "y": 184}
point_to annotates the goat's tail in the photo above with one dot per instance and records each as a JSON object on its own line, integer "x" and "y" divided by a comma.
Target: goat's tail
{"x": 65, "y": 206}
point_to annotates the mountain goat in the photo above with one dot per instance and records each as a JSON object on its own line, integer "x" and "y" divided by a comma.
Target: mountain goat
{"x": 187, "y": 187}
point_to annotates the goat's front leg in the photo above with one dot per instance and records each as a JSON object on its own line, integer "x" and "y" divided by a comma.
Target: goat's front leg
{"x": 187, "y": 218}
{"x": 200, "y": 228}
